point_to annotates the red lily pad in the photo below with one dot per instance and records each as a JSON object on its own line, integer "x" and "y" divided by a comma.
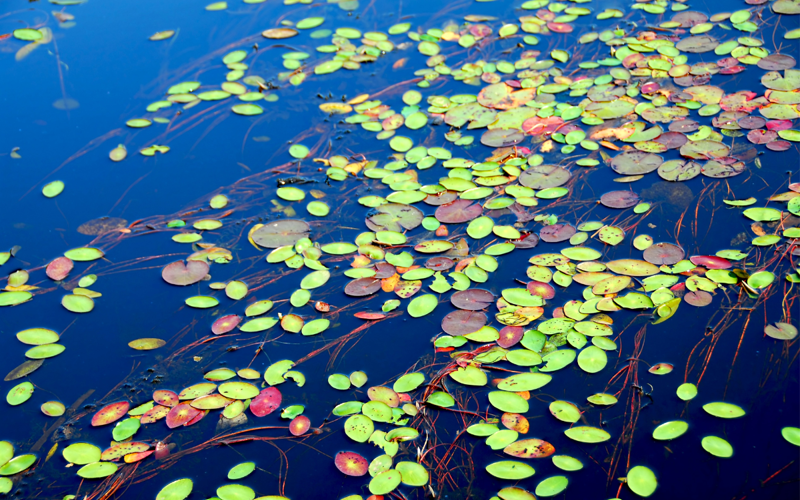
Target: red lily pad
{"x": 266, "y": 402}
{"x": 560, "y": 27}
{"x": 458, "y": 212}
{"x": 619, "y": 199}
{"x": 181, "y": 415}
{"x": 543, "y": 290}
{"x": 299, "y": 425}
{"x": 779, "y": 145}
{"x": 225, "y": 324}
{"x": 196, "y": 418}
{"x": 351, "y": 464}
{"x": 776, "y": 62}
{"x": 699, "y": 298}
{"x": 59, "y": 268}
{"x": 510, "y": 336}
{"x": 473, "y": 299}
{"x": 516, "y": 422}
{"x": 180, "y": 274}
{"x": 110, "y": 413}
{"x": 527, "y": 240}
{"x": 662, "y": 254}
{"x": 442, "y": 198}
{"x": 384, "y": 270}
{"x": 710, "y": 262}
{"x": 439, "y": 263}
{"x": 530, "y": 448}
{"x": 281, "y": 233}
{"x": 463, "y": 322}
{"x": 557, "y": 233}
{"x": 759, "y": 136}
{"x": 369, "y": 315}
{"x": 362, "y": 287}
{"x": 166, "y": 398}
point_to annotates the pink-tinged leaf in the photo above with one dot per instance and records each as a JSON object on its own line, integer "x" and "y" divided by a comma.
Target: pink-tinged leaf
{"x": 165, "y": 398}
{"x": 154, "y": 414}
{"x": 59, "y": 268}
{"x": 266, "y": 402}
{"x": 698, "y": 298}
{"x": 510, "y": 336}
{"x": 110, "y": 413}
{"x": 661, "y": 369}
{"x": 516, "y": 422}
{"x": 543, "y": 290}
{"x": 458, "y": 212}
{"x": 196, "y": 418}
{"x": 473, "y": 299}
{"x": 299, "y": 425}
{"x": 530, "y": 448}
{"x": 710, "y": 262}
{"x": 560, "y": 27}
{"x": 351, "y": 464}
{"x": 136, "y": 457}
{"x": 226, "y": 324}
{"x": 369, "y": 315}
{"x": 162, "y": 450}
{"x": 181, "y": 415}
{"x": 180, "y": 274}
{"x": 120, "y": 450}
{"x": 461, "y": 322}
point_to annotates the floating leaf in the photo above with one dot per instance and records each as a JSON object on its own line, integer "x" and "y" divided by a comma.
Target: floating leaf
{"x": 351, "y": 464}
{"x": 723, "y": 410}
{"x": 176, "y": 490}
{"x": 642, "y": 481}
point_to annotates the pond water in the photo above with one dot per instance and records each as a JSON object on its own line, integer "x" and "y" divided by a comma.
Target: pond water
{"x": 411, "y": 249}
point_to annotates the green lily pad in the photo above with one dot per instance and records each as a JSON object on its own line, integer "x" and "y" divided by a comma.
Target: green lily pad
{"x": 81, "y": 453}
{"x": 37, "y": 336}
{"x": 551, "y": 486}
{"x": 409, "y": 382}
{"x": 241, "y": 470}
{"x": 17, "y": 464}
{"x": 717, "y": 446}
{"x": 385, "y": 482}
{"x": 53, "y": 189}
{"x": 567, "y": 463}
{"x": 97, "y": 470}
{"x": 511, "y": 470}
{"x": 592, "y": 359}
{"x": 441, "y": 399}
{"x": 670, "y": 430}
{"x": 422, "y": 305}
{"x": 235, "y": 492}
{"x": 19, "y": 393}
{"x": 723, "y": 410}
{"x": 586, "y": 434}
{"x": 791, "y": 434}
{"x": 412, "y": 473}
{"x": 176, "y": 490}
{"x": 508, "y": 402}
{"x": 642, "y": 481}
{"x": 687, "y": 391}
